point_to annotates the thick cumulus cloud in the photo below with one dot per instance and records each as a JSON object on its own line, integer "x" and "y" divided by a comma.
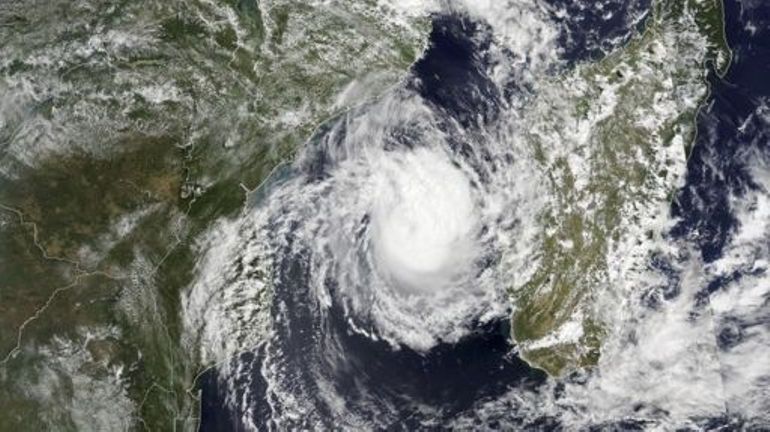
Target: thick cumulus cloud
{"x": 409, "y": 228}
{"x": 399, "y": 233}
{"x": 401, "y": 212}
{"x": 424, "y": 219}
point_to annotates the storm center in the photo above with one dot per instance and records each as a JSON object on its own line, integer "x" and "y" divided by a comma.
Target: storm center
{"x": 424, "y": 218}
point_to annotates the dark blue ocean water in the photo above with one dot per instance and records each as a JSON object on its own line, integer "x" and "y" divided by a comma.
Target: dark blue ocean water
{"x": 732, "y": 137}
{"x": 373, "y": 378}
{"x": 718, "y": 165}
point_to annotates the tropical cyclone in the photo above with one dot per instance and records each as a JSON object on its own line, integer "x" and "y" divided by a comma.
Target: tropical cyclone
{"x": 608, "y": 141}
{"x": 555, "y": 180}
{"x": 530, "y": 186}
{"x": 425, "y": 219}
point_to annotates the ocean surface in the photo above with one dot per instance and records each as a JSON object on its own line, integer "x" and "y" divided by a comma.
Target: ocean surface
{"x": 425, "y": 389}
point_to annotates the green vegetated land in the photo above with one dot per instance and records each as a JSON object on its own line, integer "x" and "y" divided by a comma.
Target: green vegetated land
{"x": 629, "y": 119}
{"x": 128, "y": 128}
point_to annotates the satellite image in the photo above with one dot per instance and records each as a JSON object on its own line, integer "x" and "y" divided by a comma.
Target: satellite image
{"x": 365, "y": 215}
